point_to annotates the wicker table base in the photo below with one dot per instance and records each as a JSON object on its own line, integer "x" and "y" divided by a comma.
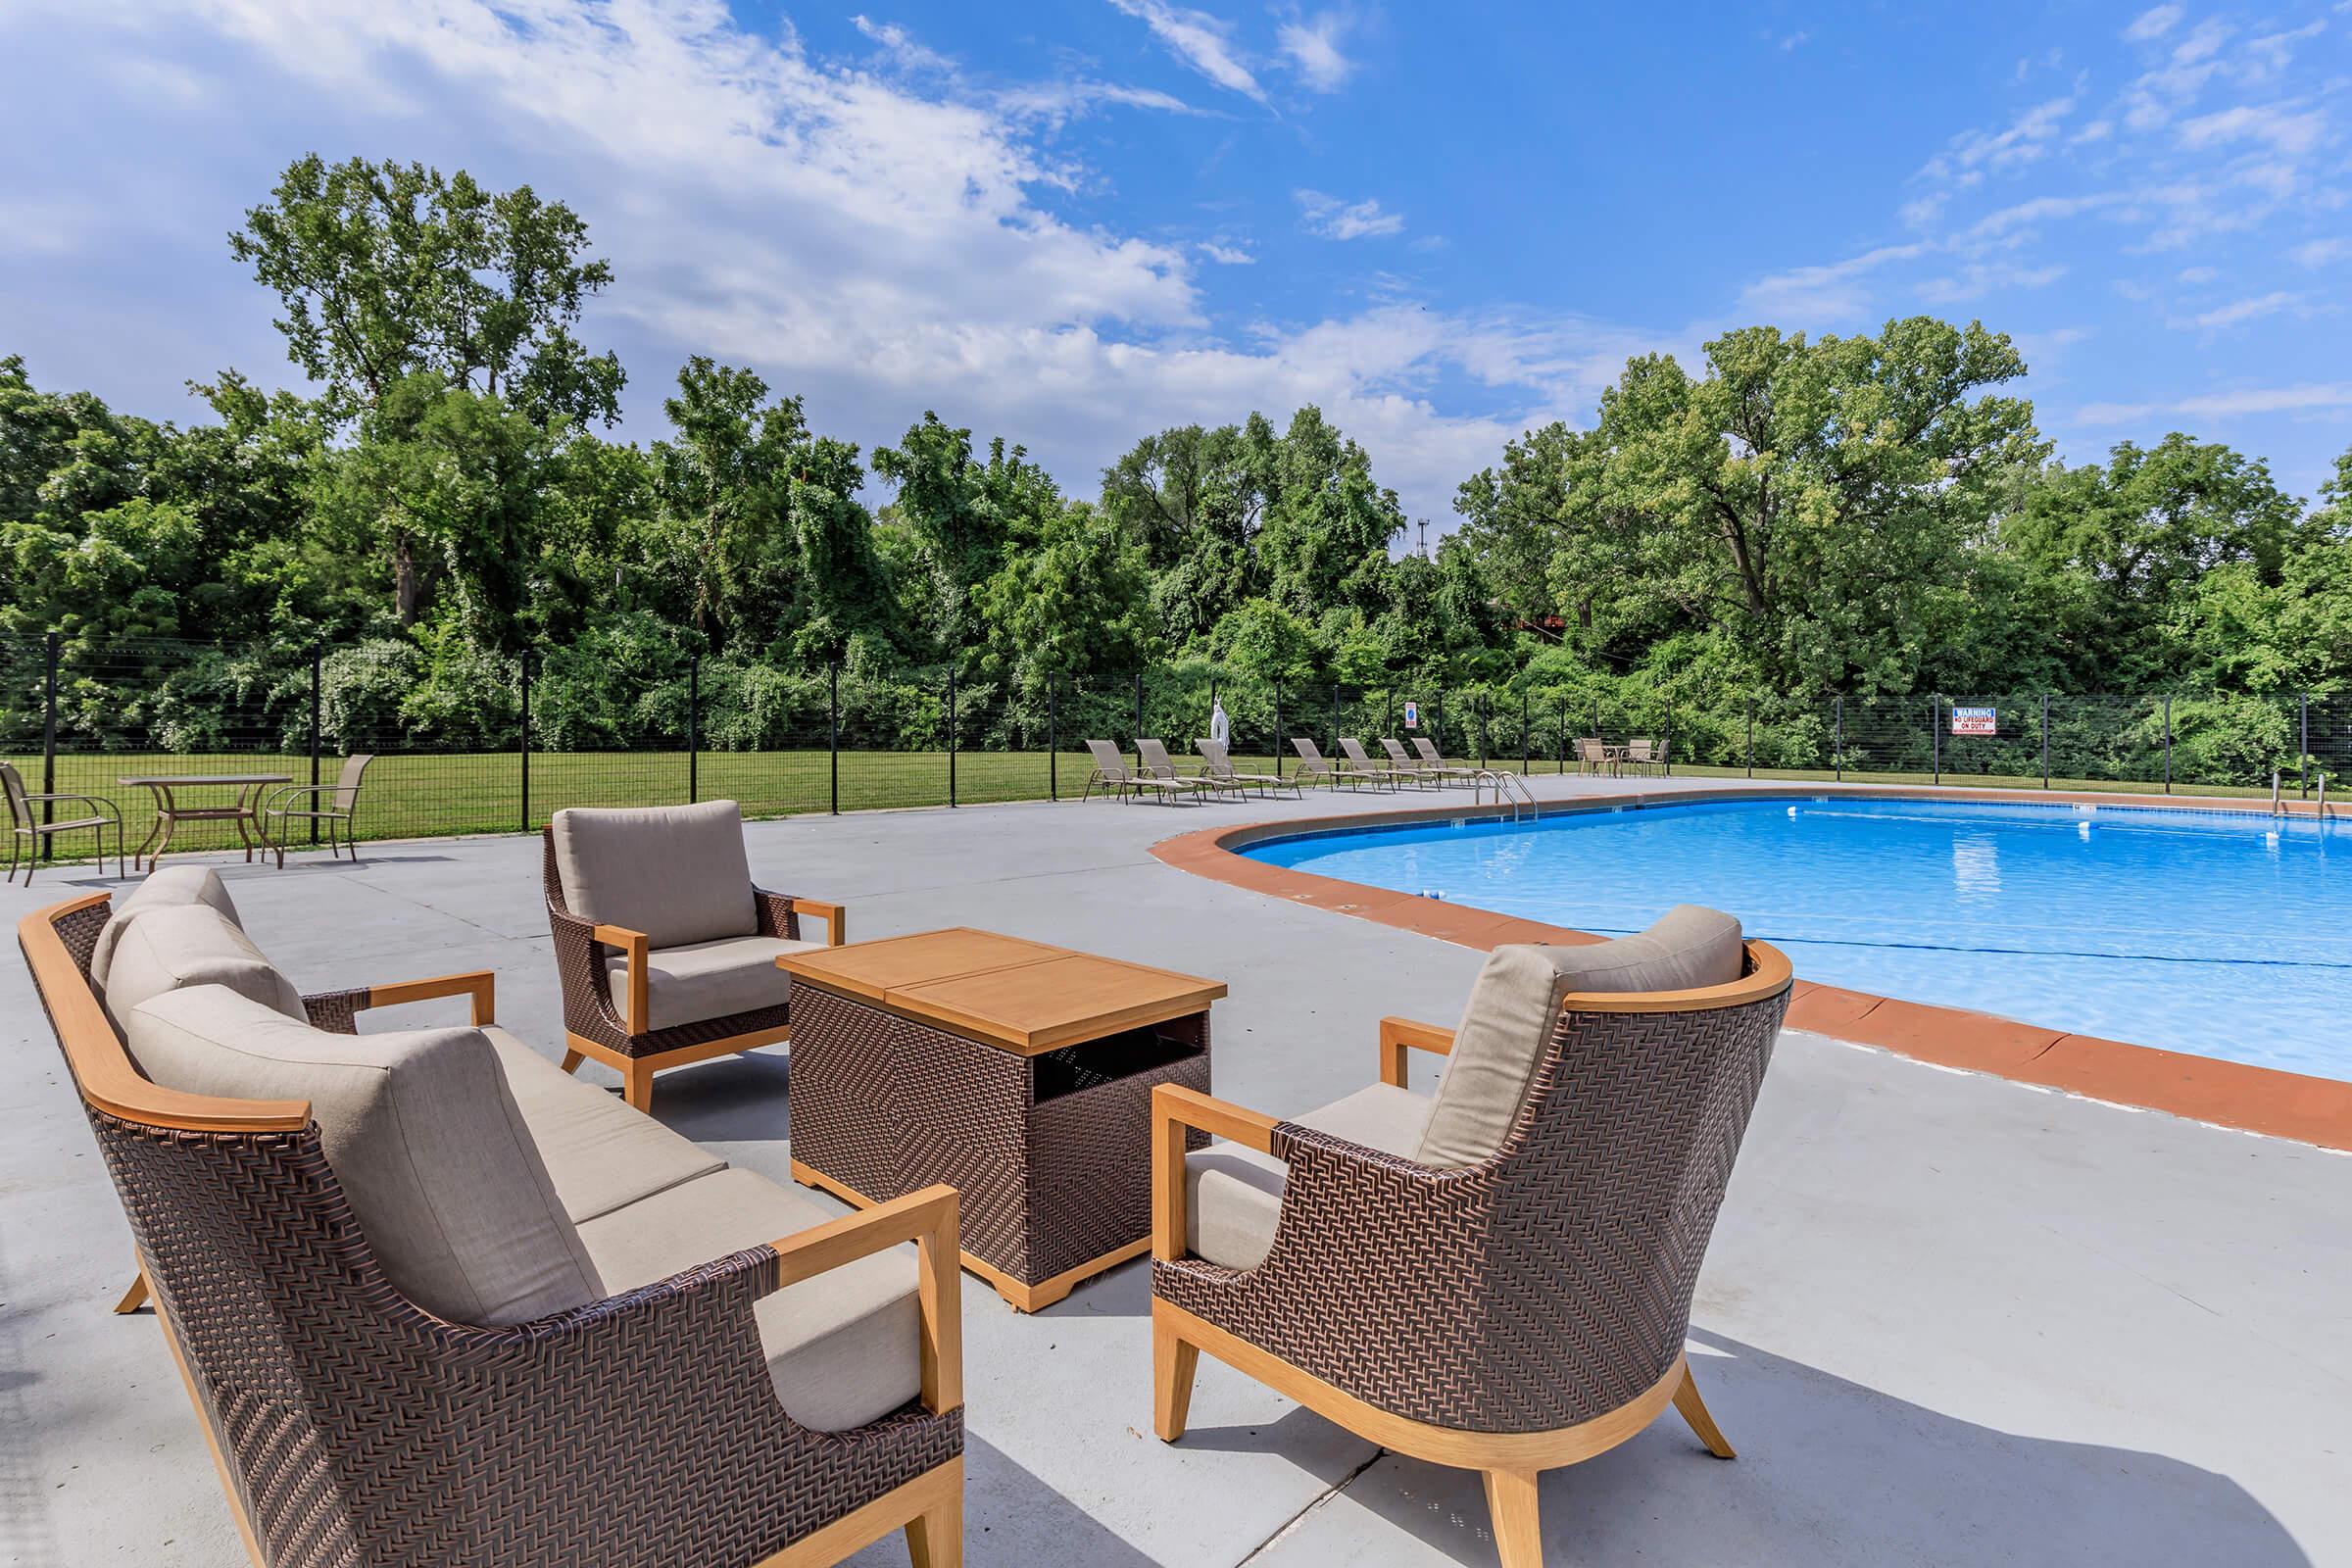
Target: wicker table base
{"x": 1026, "y": 1084}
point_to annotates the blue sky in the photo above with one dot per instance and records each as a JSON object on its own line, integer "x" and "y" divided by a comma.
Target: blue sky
{"x": 1079, "y": 221}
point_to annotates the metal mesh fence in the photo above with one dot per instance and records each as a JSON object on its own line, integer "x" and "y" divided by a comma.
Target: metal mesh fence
{"x": 148, "y": 722}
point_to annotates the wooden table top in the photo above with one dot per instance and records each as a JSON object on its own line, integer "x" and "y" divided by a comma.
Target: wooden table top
{"x": 1024, "y": 997}
{"x": 183, "y": 780}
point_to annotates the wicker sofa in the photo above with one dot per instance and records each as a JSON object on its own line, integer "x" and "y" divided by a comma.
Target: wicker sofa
{"x": 665, "y": 951}
{"x": 1498, "y": 1276}
{"x": 437, "y": 1302}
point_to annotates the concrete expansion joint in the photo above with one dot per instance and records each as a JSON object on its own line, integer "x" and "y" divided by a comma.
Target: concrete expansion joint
{"x": 1314, "y": 1505}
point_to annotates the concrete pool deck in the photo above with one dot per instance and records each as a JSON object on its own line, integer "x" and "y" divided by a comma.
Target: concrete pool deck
{"x": 1946, "y": 1318}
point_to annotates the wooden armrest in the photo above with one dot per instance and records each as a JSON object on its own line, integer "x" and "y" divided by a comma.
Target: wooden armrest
{"x": 1399, "y": 1035}
{"x": 837, "y": 918}
{"x": 479, "y": 984}
{"x": 928, "y": 1220}
{"x": 636, "y": 1008}
{"x": 1174, "y": 1108}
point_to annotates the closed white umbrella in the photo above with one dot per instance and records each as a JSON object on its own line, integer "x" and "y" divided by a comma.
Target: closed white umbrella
{"x": 1220, "y": 728}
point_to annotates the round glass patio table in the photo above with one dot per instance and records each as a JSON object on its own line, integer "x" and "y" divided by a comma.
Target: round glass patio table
{"x": 169, "y": 814}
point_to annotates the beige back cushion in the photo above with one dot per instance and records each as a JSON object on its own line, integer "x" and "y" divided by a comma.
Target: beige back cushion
{"x": 192, "y": 944}
{"x": 168, "y": 888}
{"x": 421, "y": 1132}
{"x": 1507, "y": 1023}
{"x": 679, "y": 873}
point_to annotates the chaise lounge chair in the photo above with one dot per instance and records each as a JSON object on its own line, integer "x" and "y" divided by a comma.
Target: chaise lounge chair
{"x": 1434, "y": 760}
{"x": 1363, "y": 766}
{"x": 1157, "y": 764}
{"x": 436, "y": 1301}
{"x": 1312, "y": 768}
{"x": 1217, "y": 764}
{"x": 665, "y": 951}
{"x": 1499, "y": 1276}
{"x": 1114, "y": 774}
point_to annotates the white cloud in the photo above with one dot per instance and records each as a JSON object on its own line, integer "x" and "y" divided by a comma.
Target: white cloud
{"x": 2203, "y": 43}
{"x": 1978, "y": 279}
{"x": 1334, "y": 219}
{"x": 2320, "y": 252}
{"x": 2249, "y": 310}
{"x": 1225, "y": 255}
{"x": 2024, "y": 139}
{"x": 2306, "y": 397}
{"x": 1313, "y": 50}
{"x": 2291, "y": 133}
{"x": 2153, "y": 24}
{"x": 1827, "y": 294}
{"x": 2199, "y": 274}
{"x": 1201, "y": 40}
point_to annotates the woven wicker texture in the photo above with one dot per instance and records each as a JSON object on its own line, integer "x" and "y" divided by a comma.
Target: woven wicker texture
{"x": 336, "y": 1011}
{"x": 589, "y": 1009}
{"x": 1536, "y": 1290}
{"x": 360, "y": 1430}
{"x": 1046, "y": 1179}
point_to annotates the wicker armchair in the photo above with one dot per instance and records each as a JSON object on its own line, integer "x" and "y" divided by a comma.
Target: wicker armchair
{"x": 610, "y": 972}
{"x": 353, "y": 1426}
{"x": 1511, "y": 1314}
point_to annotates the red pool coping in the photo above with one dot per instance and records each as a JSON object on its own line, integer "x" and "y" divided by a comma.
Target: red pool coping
{"x": 2229, "y": 1094}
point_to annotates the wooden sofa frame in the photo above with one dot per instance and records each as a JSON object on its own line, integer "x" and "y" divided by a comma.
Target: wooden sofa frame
{"x": 1347, "y": 1237}
{"x": 620, "y": 1033}
{"x": 348, "y": 1425}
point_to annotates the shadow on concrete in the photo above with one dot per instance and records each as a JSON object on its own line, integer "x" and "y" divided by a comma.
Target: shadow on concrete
{"x": 1013, "y": 1520}
{"x": 731, "y": 1100}
{"x": 1829, "y": 1472}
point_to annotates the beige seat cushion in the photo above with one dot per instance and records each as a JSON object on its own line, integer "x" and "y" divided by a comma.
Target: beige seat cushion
{"x": 1506, "y": 1026}
{"x": 168, "y": 888}
{"x": 425, "y": 1139}
{"x": 192, "y": 944}
{"x": 1233, "y": 1194}
{"x": 844, "y": 1348}
{"x": 679, "y": 873}
{"x": 708, "y": 979}
{"x": 599, "y": 1154}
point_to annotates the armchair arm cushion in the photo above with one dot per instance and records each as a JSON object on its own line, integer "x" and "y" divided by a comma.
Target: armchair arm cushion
{"x": 928, "y": 1218}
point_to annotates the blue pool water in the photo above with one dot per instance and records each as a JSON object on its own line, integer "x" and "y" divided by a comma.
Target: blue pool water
{"x": 2224, "y": 933}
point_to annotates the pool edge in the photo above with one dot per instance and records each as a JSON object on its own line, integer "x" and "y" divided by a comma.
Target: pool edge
{"x": 2267, "y": 1100}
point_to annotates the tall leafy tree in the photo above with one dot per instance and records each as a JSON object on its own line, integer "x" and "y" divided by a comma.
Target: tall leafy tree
{"x": 388, "y": 270}
{"x": 966, "y": 515}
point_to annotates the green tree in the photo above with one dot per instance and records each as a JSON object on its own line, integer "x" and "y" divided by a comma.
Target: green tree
{"x": 1328, "y": 526}
{"x": 389, "y": 270}
{"x": 1075, "y": 603}
{"x": 965, "y": 516}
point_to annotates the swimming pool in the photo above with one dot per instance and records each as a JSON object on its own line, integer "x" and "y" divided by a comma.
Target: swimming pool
{"x": 2224, "y": 933}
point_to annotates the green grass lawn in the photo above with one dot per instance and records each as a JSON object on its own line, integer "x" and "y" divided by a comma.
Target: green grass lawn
{"x": 426, "y": 796}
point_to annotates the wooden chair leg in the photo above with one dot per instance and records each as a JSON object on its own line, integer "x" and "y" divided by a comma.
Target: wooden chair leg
{"x": 1173, "y": 1363}
{"x": 1511, "y": 1502}
{"x": 935, "y": 1537}
{"x": 1695, "y": 1411}
{"x": 134, "y": 1298}
{"x": 637, "y": 1087}
{"x": 572, "y": 1060}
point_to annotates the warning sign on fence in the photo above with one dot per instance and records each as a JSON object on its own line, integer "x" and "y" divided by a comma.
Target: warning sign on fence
{"x": 1974, "y": 722}
{"x": 1412, "y": 714}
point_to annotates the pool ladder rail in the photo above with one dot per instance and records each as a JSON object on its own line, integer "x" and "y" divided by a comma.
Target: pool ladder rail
{"x": 2320, "y": 812}
{"x": 1510, "y": 789}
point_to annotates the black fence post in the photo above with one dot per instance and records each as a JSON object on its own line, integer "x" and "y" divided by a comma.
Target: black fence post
{"x": 833, "y": 730}
{"x": 1595, "y": 735}
{"x": 1935, "y": 734}
{"x": 1666, "y": 744}
{"x": 49, "y": 744}
{"x": 2303, "y": 744}
{"x": 1276, "y": 742}
{"x": 1751, "y": 734}
{"x": 1485, "y": 702}
{"x": 694, "y": 729}
{"x": 1563, "y": 767}
{"x": 1052, "y": 740}
{"x": 317, "y": 659}
{"x": 1436, "y": 718}
{"x": 1334, "y": 717}
{"x": 2045, "y": 740}
{"x": 2168, "y": 743}
{"x": 523, "y": 737}
{"x": 951, "y": 735}
{"x": 1838, "y": 736}
{"x": 1524, "y": 751}
{"x": 1139, "y": 719}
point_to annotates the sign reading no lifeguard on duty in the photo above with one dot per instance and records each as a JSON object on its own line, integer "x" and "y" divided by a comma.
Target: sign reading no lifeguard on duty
{"x": 1974, "y": 722}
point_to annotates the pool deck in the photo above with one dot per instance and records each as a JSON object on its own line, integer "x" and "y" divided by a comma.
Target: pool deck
{"x": 1948, "y": 1318}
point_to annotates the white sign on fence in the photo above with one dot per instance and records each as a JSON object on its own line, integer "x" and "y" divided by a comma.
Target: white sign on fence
{"x": 1974, "y": 722}
{"x": 1412, "y": 714}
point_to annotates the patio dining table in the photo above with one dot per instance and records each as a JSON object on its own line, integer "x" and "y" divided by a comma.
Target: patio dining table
{"x": 169, "y": 814}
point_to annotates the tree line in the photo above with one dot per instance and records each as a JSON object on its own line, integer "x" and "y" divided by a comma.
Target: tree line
{"x": 1873, "y": 515}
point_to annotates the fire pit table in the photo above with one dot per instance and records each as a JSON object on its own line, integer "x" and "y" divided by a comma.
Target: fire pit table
{"x": 1019, "y": 1073}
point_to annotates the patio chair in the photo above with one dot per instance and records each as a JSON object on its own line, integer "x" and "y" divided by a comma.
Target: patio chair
{"x": 1364, "y": 768}
{"x": 333, "y": 805}
{"x": 1435, "y": 760}
{"x": 1594, "y": 755}
{"x": 1116, "y": 777}
{"x": 1312, "y": 767}
{"x": 1217, "y": 763}
{"x": 1640, "y": 757}
{"x": 665, "y": 951}
{"x": 435, "y": 1302}
{"x": 31, "y": 835}
{"x": 1497, "y": 1277}
{"x": 1157, "y": 764}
